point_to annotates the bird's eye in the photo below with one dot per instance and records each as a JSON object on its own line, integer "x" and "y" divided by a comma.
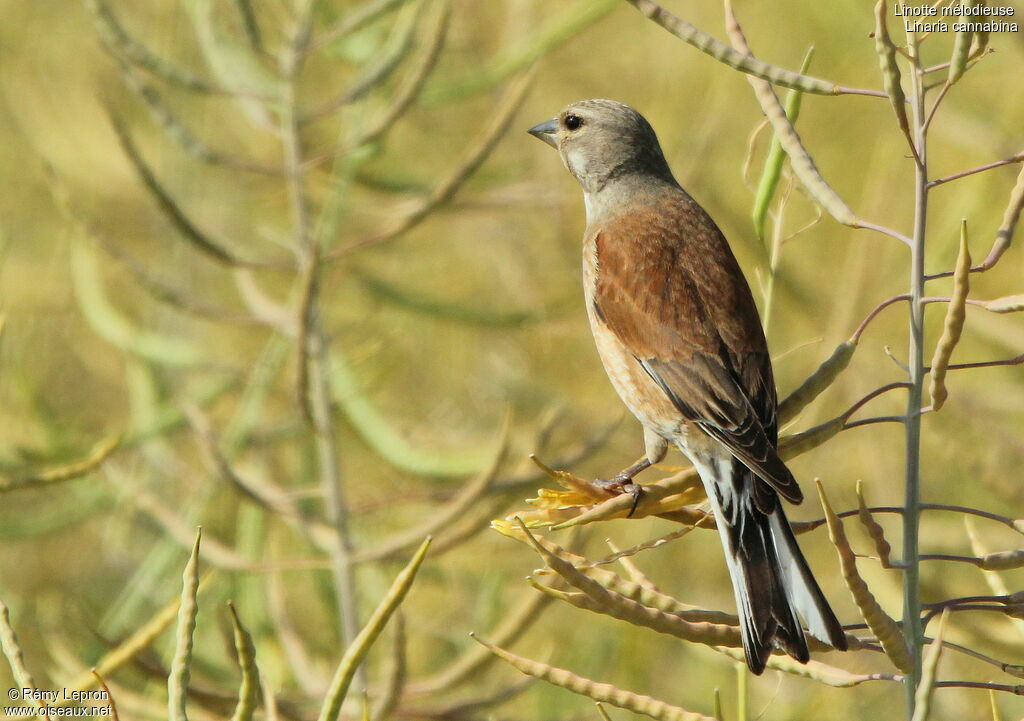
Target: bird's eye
{"x": 573, "y": 122}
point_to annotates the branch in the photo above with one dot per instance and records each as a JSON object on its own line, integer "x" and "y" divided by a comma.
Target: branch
{"x": 800, "y": 160}
{"x": 448, "y": 187}
{"x": 740, "y": 58}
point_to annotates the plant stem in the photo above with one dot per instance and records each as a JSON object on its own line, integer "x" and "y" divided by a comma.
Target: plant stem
{"x": 314, "y": 357}
{"x": 912, "y": 478}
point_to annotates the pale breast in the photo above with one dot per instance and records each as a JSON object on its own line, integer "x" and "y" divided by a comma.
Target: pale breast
{"x": 644, "y": 398}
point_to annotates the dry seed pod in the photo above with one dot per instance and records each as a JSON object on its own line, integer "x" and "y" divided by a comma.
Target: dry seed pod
{"x": 881, "y": 624}
{"x": 631, "y": 589}
{"x": 817, "y": 382}
{"x": 619, "y": 506}
{"x": 100, "y": 453}
{"x": 814, "y": 670}
{"x": 890, "y": 68}
{"x": 1004, "y": 236}
{"x": 618, "y": 606}
{"x": 1006, "y": 304}
{"x": 603, "y": 692}
{"x": 956, "y": 313}
{"x": 874, "y": 530}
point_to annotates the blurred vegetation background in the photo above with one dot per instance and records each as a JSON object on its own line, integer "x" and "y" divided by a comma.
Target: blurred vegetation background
{"x": 436, "y": 333}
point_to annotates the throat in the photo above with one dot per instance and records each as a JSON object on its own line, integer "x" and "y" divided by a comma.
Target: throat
{"x": 600, "y": 204}
{"x": 610, "y": 198}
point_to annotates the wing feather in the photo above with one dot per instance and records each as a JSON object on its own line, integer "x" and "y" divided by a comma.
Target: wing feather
{"x": 671, "y": 291}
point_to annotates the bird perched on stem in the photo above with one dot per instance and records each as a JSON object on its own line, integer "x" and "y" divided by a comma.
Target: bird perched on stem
{"x": 681, "y": 340}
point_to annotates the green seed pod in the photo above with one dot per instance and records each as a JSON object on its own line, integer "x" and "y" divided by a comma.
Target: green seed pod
{"x": 980, "y": 37}
{"x": 799, "y": 443}
{"x": 961, "y": 49}
{"x": 817, "y": 382}
{"x": 177, "y": 679}
{"x": 776, "y": 155}
{"x": 956, "y": 313}
{"x": 800, "y": 160}
{"x": 890, "y": 68}
{"x": 1004, "y": 236}
{"x": 248, "y": 690}
{"x": 360, "y": 645}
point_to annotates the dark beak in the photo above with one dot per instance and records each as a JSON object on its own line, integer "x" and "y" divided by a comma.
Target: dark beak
{"x": 546, "y": 132}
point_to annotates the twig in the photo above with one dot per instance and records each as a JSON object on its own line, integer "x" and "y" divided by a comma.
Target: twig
{"x": 800, "y": 160}
{"x": 403, "y": 98}
{"x": 447, "y": 188}
{"x": 355, "y": 20}
{"x": 313, "y": 359}
{"x": 912, "y": 425}
{"x": 1017, "y": 690}
{"x": 1018, "y": 158}
{"x": 739, "y": 58}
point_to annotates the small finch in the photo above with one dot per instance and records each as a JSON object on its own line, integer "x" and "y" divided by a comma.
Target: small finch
{"x": 681, "y": 340}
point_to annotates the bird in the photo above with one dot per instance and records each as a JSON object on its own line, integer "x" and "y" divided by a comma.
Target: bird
{"x": 680, "y": 338}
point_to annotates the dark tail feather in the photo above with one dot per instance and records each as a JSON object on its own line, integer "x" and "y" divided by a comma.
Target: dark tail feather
{"x": 773, "y": 585}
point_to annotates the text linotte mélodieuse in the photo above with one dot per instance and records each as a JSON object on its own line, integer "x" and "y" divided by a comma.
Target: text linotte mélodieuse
{"x": 957, "y": 10}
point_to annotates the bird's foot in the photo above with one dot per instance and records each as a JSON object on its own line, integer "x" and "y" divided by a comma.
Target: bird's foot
{"x": 622, "y": 483}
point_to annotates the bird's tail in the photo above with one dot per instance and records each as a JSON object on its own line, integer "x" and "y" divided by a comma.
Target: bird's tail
{"x": 773, "y": 584}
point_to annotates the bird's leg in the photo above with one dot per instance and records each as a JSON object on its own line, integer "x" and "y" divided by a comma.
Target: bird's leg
{"x": 622, "y": 482}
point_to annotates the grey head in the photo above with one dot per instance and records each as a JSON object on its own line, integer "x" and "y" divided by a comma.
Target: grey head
{"x": 603, "y": 141}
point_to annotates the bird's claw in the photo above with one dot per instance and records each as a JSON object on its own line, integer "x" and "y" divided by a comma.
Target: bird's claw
{"x": 623, "y": 483}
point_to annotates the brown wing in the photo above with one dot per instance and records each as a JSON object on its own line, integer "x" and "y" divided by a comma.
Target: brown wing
{"x": 670, "y": 289}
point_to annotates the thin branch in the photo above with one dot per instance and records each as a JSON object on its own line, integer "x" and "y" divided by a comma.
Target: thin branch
{"x": 1018, "y": 158}
{"x": 931, "y": 113}
{"x": 448, "y": 187}
{"x": 313, "y": 361}
{"x": 800, "y": 159}
{"x": 1017, "y": 690}
{"x": 872, "y": 395}
{"x": 404, "y": 96}
{"x": 872, "y": 421}
{"x": 740, "y": 60}
{"x": 1015, "y": 361}
{"x": 173, "y": 211}
{"x": 355, "y": 20}
{"x": 896, "y": 299}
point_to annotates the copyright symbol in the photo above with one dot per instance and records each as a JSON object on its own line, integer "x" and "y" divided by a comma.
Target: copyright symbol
{"x": 14, "y": 694}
